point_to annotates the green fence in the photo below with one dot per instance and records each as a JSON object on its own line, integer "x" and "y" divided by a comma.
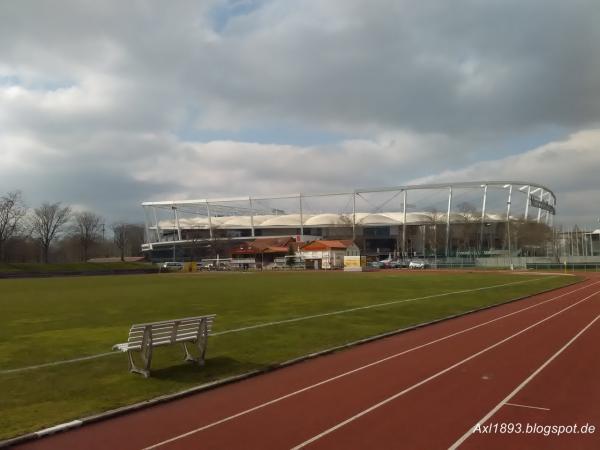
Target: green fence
{"x": 568, "y": 267}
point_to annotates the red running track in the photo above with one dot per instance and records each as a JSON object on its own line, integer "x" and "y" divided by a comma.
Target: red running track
{"x": 534, "y": 362}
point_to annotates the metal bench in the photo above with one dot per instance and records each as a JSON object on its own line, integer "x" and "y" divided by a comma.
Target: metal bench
{"x": 145, "y": 336}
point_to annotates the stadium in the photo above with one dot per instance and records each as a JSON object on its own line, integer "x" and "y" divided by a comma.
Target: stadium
{"x": 466, "y": 219}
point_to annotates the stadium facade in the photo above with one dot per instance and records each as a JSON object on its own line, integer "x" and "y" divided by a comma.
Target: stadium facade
{"x": 429, "y": 220}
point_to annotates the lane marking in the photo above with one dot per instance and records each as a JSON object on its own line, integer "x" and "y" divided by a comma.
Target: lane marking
{"x": 485, "y": 418}
{"x": 269, "y": 324}
{"x": 527, "y": 406}
{"x": 358, "y": 369}
{"x": 56, "y": 363}
{"x": 434, "y": 376}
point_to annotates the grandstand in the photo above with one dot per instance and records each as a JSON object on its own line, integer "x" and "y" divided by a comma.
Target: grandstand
{"x": 442, "y": 220}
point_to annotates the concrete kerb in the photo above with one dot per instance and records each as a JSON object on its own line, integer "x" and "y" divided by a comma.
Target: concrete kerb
{"x": 233, "y": 379}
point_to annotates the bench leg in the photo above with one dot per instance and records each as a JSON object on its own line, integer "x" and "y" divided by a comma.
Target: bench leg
{"x": 188, "y": 355}
{"x": 202, "y": 341}
{"x": 200, "y": 345}
{"x": 145, "y": 354}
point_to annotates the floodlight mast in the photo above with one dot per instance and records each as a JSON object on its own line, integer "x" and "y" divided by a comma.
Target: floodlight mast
{"x": 485, "y": 188}
{"x": 448, "y": 222}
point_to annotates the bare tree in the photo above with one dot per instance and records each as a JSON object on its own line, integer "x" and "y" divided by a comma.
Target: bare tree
{"x": 135, "y": 238}
{"x": 128, "y": 238}
{"x": 120, "y": 237}
{"x": 435, "y": 217}
{"x": 86, "y": 230}
{"x": 12, "y": 211}
{"x": 48, "y": 222}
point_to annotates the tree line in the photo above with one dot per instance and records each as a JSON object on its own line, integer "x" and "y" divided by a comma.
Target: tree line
{"x": 54, "y": 231}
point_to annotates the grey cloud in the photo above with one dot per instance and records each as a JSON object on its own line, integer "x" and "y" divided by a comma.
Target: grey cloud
{"x": 106, "y": 90}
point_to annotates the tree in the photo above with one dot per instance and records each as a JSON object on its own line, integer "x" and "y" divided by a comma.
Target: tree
{"x": 12, "y": 212}
{"x": 47, "y": 223}
{"x": 120, "y": 237}
{"x": 86, "y": 230}
{"x": 135, "y": 237}
{"x": 435, "y": 240}
{"x": 128, "y": 238}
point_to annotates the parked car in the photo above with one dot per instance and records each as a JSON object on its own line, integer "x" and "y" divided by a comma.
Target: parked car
{"x": 396, "y": 264}
{"x": 416, "y": 265}
{"x": 171, "y": 266}
{"x": 376, "y": 265}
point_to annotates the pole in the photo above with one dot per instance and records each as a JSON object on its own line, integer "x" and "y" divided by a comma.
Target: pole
{"x": 508, "y": 225}
{"x": 177, "y": 223}
{"x": 210, "y": 228}
{"x": 404, "y": 224}
{"x": 482, "y": 218}
{"x": 156, "y": 224}
{"x": 539, "y": 216}
{"x": 354, "y": 216}
{"x": 251, "y": 215}
{"x": 435, "y": 240}
{"x": 527, "y": 203}
{"x": 448, "y": 222}
{"x": 301, "y": 218}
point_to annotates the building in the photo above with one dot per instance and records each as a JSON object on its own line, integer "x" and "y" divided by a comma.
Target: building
{"x": 326, "y": 254}
{"x": 434, "y": 220}
{"x": 264, "y": 251}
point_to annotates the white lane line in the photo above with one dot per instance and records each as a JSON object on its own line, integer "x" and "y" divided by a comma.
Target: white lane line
{"x": 523, "y": 384}
{"x": 56, "y": 363}
{"x": 527, "y": 406}
{"x": 269, "y": 324}
{"x": 358, "y": 369}
{"x": 377, "y": 305}
{"x": 434, "y": 376}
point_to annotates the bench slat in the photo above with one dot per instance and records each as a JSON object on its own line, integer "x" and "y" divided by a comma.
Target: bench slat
{"x": 186, "y": 320}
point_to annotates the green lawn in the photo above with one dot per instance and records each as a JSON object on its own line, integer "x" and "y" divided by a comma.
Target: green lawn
{"x": 52, "y": 319}
{"x": 71, "y": 267}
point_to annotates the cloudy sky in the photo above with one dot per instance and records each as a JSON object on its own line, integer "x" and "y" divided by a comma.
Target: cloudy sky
{"x": 107, "y": 104}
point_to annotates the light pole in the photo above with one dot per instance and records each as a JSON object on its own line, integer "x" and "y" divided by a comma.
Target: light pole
{"x": 174, "y": 222}
{"x": 509, "y": 186}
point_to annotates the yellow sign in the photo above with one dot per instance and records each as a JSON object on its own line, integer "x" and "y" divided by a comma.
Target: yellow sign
{"x": 189, "y": 266}
{"x": 354, "y": 262}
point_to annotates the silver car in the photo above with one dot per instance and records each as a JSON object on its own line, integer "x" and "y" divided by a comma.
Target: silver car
{"x": 171, "y": 266}
{"x": 416, "y": 265}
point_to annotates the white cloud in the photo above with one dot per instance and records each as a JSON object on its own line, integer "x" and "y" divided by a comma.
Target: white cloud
{"x": 110, "y": 103}
{"x": 569, "y": 167}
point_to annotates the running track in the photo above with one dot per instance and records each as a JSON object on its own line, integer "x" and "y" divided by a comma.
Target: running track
{"x": 536, "y": 361}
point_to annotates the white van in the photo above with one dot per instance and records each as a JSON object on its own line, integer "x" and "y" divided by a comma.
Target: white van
{"x": 171, "y": 266}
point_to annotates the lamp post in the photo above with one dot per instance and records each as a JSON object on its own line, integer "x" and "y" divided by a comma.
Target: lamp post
{"x": 174, "y": 224}
{"x": 509, "y": 186}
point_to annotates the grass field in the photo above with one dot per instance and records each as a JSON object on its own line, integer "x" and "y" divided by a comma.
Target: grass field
{"x": 70, "y": 267}
{"x": 47, "y": 320}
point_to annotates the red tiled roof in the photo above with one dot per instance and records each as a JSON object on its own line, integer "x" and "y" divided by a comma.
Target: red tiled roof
{"x": 264, "y": 245}
{"x": 325, "y": 244}
{"x": 276, "y": 250}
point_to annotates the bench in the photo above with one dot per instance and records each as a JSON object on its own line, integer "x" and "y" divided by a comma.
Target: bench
{"x": 145, "y": 336}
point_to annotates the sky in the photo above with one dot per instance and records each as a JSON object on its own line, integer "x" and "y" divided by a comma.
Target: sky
{"x": 107, "y": 104}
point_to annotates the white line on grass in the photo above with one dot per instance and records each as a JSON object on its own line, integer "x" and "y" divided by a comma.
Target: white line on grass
{"x": 358, "y": 369}
{"x": 442, "y": 372}
{"x": 484, "y": 419}
{"x": 56, "y": 363}
{"x": 360, "y": 308}
{"x": 280, "y": 322}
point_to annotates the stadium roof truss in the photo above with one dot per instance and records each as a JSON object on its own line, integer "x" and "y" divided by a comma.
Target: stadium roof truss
{"x": 369, "y": 207}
